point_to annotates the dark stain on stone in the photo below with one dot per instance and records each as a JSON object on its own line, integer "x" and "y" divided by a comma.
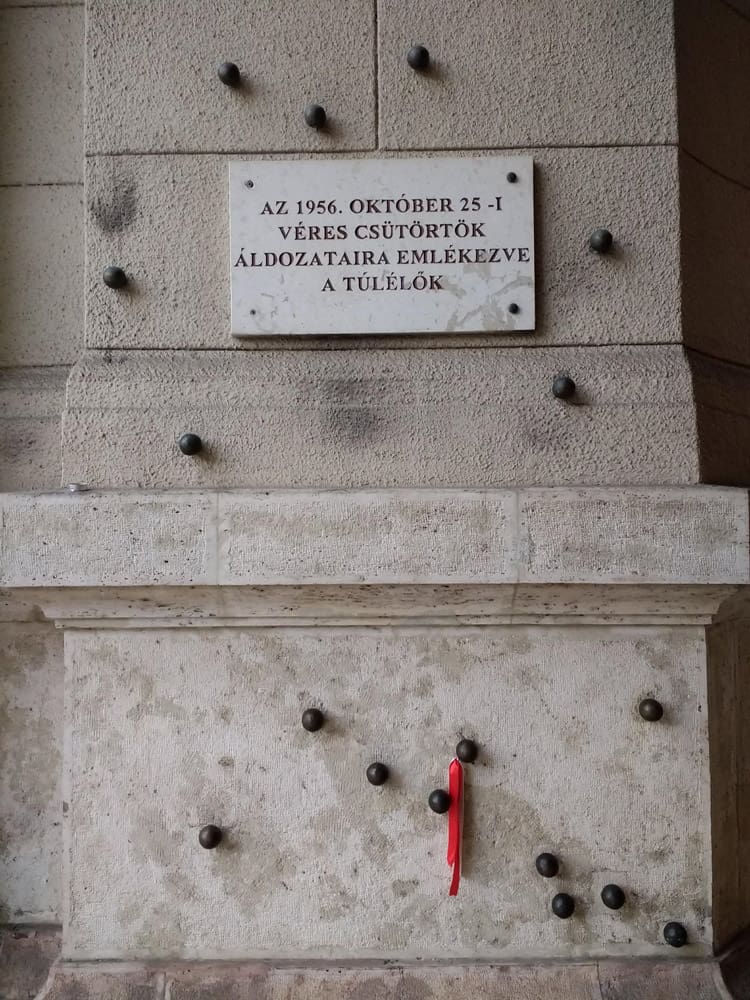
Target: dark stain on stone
{"x": 348, "y": 410}
{"x": 118, "y": 209}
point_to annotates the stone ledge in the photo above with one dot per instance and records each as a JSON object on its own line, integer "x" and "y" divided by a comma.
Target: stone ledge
{"x": 627, "y": 980}
{"x": 665, "y": 536}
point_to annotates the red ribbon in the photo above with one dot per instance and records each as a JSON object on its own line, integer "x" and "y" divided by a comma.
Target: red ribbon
{"x": 455, "y": 821}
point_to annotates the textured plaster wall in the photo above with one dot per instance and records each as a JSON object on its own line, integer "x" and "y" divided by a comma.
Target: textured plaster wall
{"x": 41, "y": 218}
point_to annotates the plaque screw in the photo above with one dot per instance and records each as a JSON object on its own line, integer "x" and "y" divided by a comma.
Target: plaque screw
{"x": 249, "y": 184}
{"x": 650, "y": 710}
{"x": 547, "y": 865}
{"x": 312, "y": 720}
{"x": 511, "y": 177}
{"x": 675, "y": 935}
{"x": 315, "y": 116}
{"x": 210, "y": 837}
{"x": 613, "y": 897}
{"x": 190, "y": 444}
{"x": 229, "y": 74}
{"x": 514, "y": 308}
{"x": 418, "y": 57}
{"x": 600, "y": 241}
{"x": 439, "y": 801}
{"x": 467, "y": 751}
{"x": 563, "y": 905}
{"x": 114, "y": 277}
{"x": 563, "y": 387}
{"x": 377, "y": 774}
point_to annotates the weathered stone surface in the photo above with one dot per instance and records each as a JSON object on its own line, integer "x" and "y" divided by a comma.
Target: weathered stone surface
{"x": 41, "y": 275}
{"x": 31, "y": 404}
{"x": 409, "y": 983}
{"x": 108, "y": 983}
{"x": 192, "y": 727}
{"x": 26, "y": 956}
{"x": 468, "y": 535}
{"x": 610, "y": 538}
{"x": 713, "y": 79}
{"x": 716, "y": 246}
{"x": 505, "y": 74}
{"x": 430, "y": 537}
{"x": 31, "y": 708}
{"x": 140, "y": 98}
{"x": 337, "y": 419}
{"x": 664, "y": 981}
{"x": 41, "y": 95}
{"x": 109, "y": 540}
{"x": 165, "y": 221}
{"x": 634, "y": 980}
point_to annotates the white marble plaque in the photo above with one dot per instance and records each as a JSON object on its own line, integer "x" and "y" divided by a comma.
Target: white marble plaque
{"x": 421, "y": 245}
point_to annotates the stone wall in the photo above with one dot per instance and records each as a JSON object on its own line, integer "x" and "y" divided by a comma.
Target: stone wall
{"x": 512, "y": 566}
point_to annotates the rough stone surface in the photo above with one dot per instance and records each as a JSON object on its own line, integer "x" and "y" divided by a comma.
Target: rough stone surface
{"x": 636, "y": 980}
{"x": 41, "y": 94}
{"x": 368, "y": 604}
{"x": 713, "y": 74}
{"x": 673, "y": 981}
{"x": 31, "y": 403}
{"x": 716, "y": 243}
{"x": 75, "y": 983}
{"x": 26, "y": 955}
{"x": 140, "y": 98}
{"x": 565, "y": 536}
{"x": 309, "y": 845}
{"x": 165, "y": 221}
{"x": 237, "y": 538}
{"x": 597, "y": 72}
{"x": 334, "y": 419}
{"x": 31, "y": 700}
{"x": 41, "y": 275}
{"x": 107, "y": 542}
{"x": 405, "y": 983}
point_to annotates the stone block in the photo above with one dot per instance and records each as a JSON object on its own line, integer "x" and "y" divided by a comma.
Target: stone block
{"x": 649, "y": 534}
{"x": 503, "y": 552}
{"x": 484, "y": 982}
{"x": 196, "y": 726}
{"x": 31, "y": 725}
{"x": 165, "y": 221}
{"x": 715, "y": 252}
{"x": 107, "y": 541}
{"x": 336, "y": 419}
{"x": 506, "y": 74}
{"x": 31, "y": 404}
{"x": 41, "y": 95}
{"x": 41, "y": 275}
{"x": 713, "y": 81}
{"x": 438, "y": 536}
{"x": 142, "y": 97}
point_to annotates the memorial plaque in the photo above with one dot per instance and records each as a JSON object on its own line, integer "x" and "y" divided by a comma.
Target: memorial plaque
{"x": 428, "y": 245}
